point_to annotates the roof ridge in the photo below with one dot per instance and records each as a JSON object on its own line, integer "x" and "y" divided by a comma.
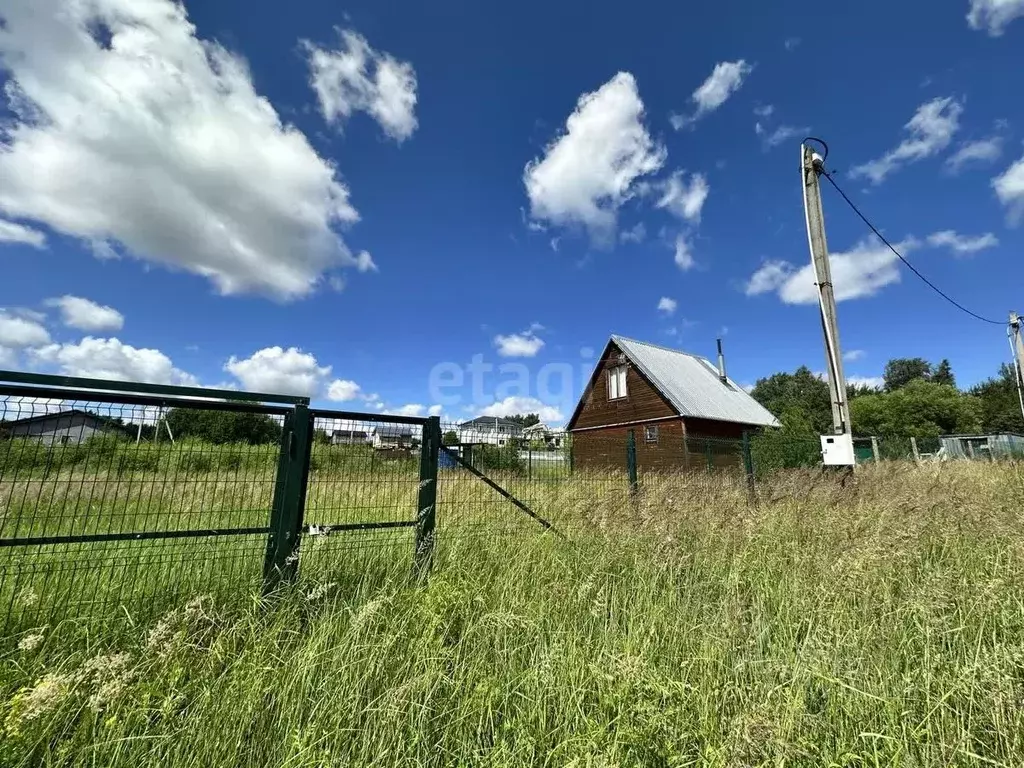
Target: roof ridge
{"x": 617, "y": 337}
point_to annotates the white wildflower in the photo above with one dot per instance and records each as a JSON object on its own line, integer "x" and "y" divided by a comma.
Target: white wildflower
{"x": 31, "y": 642}
{"x": 320, "y": 591}
{"x": 45, "y": 696}
{"x": 161, "y": 637}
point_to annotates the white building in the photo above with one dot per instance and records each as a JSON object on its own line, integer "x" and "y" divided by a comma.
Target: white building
{"x": 541, "y": 432}
{"x": 489, "y": 430}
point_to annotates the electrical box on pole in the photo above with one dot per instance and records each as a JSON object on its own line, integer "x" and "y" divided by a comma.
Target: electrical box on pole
{"x": 837, "y": 449}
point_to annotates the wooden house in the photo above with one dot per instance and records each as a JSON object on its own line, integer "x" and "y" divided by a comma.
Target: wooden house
{"x": 673, "y": 402}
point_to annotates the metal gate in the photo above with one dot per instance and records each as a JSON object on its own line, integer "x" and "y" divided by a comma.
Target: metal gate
{"x": 121, "y": 500}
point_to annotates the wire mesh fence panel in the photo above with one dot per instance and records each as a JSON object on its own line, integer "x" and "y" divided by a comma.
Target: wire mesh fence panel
{"x": 362, "y": 489}
{"x": 107, "y": 505}
{"x": 773, "y": 452}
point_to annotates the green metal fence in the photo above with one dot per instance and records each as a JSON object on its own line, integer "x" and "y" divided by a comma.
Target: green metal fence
{"x": 116, "y": 499}
{"x": 120, "y": 500}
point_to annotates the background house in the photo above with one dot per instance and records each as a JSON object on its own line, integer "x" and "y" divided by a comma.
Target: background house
{"x": 672, "y": 400}
{"x": 541, "y": 432}
{"x": 349, "y": 437}
{"x": 392, "y": 436}
{"x": 489, "y": 430}
{"x": 64, "y": 427}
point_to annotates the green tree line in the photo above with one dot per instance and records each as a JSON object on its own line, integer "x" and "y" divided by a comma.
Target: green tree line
{"x": 916, "y": 398}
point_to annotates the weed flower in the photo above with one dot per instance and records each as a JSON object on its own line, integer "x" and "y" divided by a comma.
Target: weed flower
{"x": 161, "y": 637}
{"x": 31, "y": 642}
{"x": 321, "y": 591}
{"x": 49, "y": 692}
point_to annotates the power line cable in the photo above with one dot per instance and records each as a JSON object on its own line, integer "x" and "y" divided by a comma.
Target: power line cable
{"x": 910, "y": 266}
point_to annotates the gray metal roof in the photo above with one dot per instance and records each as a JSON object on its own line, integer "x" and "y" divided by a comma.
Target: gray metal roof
{"x": 493, "y": 422}
{"x": 692, "y": 385}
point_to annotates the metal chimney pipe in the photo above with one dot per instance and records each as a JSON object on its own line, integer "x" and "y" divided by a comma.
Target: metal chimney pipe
{"x": 721, "y": 364}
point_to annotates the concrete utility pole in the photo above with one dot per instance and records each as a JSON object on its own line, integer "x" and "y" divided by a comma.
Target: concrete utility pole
{"x": 812, "y": 167}
{"x": 837, "y": 452}
{"x": 1017, "y": 343}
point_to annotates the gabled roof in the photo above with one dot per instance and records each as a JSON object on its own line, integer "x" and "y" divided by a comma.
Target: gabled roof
{"x": 393, "y": 430}
{"x": 60, "y": 416}
{"x": 690, "y": 384}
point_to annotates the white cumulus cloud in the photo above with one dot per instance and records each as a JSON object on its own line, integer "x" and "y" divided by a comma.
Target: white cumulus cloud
{"x": 962, "y": 244}
{"x": 356, "y": 78}
{"x": 129, "y": 130}
{"x": 87, "y": 315}
{"x": 874, "y": 382}
{"x": 412, "y": 409}
{"x": 343, "y": 390}
{"x": 275, "y": 370}
{"x": 10, "y": 232}
{"x": 931, "y": 130}
{"x": 516, "y": 404}
{"x": 994, "y": 15}
{"x": 683, "y": 253}
{"x": 17, "y": 331}
{"x": 853, "y": 354}
{"x": 591, "y": 169}
{"x": 525, "y": 344}
{"x": 779, "y": 135}
{"x": 635, "y": 234}
{"x": 682, "y": 198}
{"x": 975, "y": 153}
{"x": 1009, "y": 187}
{"x": 667, "y": 305}
{"x": 725, "y": 79}
{"x": 860, "y": 272}
{"x": 112, "y": 359}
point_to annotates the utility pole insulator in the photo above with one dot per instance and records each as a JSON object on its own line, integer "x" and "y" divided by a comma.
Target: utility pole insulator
{"x": 837, "y": 449}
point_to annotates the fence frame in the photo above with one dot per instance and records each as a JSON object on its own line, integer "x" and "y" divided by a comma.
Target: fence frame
{"x": 286, "y": 518}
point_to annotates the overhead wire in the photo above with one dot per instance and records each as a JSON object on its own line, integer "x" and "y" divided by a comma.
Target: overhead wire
{"x": 899, "y": 255}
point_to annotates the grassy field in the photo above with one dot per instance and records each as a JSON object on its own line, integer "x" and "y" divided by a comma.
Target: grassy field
{"x": 877, "y": 624}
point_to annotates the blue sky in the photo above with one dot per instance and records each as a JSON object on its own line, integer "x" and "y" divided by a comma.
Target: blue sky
{"x": 337, "y": 200}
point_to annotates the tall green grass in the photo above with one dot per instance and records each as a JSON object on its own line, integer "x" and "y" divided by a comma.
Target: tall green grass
{"x": 881, "y": 623}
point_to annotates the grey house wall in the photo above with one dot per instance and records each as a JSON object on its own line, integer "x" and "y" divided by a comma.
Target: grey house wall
{"x": 76, "y": 427}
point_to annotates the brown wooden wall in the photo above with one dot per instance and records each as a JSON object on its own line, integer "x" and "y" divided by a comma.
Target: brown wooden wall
{"x": 606, "y": 448}
{"x": 642, "y": 402}
{"x": 713, "y": 428}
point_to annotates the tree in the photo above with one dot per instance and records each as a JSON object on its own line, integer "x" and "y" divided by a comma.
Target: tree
{"x": 943, "y": 374}
{"x": 919, "y": 409}
{"x": 221, "y": 427}
{"x": 901, "y": 371}
{"x": 800, "y": 400}
{"x": 320, "y": 437}
{"x": 1000, "y": 403}
{"x": 450, "y": 438}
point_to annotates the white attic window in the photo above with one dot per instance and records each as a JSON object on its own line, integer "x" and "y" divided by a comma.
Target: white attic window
{"x": 617, "y": 382}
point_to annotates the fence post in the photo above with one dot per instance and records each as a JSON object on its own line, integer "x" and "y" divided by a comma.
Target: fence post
{"x": 631, "y": 463}
{"x": 707, "y": 454}
{"x": 874, "y": 448}
{"x": 748, "y": 462}
{"x": 426, "y": 508}
{"x": 281, "y": 563}
{"x": 529, "y": 464}
{"x": 913, "y": 448}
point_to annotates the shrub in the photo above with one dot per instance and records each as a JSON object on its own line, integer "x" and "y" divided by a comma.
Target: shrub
{"x": 195, "y": 461}
{"x": 505, "y": 457}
